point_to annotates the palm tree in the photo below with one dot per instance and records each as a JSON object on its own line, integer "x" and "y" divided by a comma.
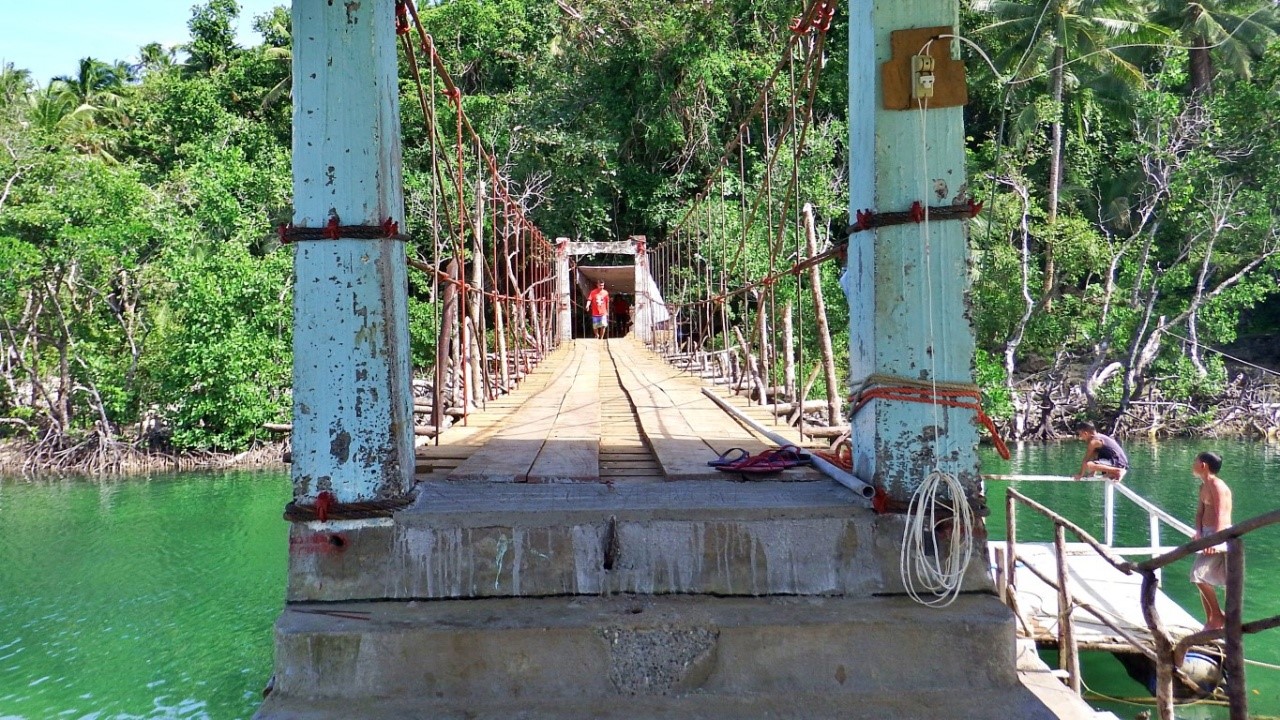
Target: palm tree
{"x": 1055, "y": 40}
{"x": 155, "y": 58}
{"x": 54, "y": 111}
{"x": 94, "y": 81}
{"x": 276, "y": 28}
{"x": 1235, "y": 33}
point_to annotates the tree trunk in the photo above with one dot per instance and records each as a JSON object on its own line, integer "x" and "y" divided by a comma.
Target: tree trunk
{"x": 1050, "y": 290}
{"x": 1199, "y": 61}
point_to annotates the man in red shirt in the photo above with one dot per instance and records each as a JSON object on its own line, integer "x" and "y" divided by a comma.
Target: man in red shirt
{"x": 598, "y": 306}
{"x": 620, "y": 312}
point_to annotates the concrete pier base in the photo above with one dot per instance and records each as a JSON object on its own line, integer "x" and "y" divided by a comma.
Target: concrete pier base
{"x": 463, "y": 540}
{"x": 709, "y": 599}
{"x": 647, "y": 656}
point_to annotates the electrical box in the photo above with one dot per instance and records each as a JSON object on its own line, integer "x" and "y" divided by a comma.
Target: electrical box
{"x": 921, "y": 72}
{"x": 922, "y": 77}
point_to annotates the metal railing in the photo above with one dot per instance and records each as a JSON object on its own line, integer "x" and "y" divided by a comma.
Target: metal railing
{"x": 1155, "y": 514}
{"x": 1167, "y": 655}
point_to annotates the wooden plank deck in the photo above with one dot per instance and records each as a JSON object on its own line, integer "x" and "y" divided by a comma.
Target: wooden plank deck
{"x": 595, "y": 411}
{"x": 682, "y": 426}
{"x": 1095, "y": 582}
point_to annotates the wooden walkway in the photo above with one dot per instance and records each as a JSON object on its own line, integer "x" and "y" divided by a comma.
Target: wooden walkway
{"x": 596, "y": 411}
{"x": 1094, "y": 582}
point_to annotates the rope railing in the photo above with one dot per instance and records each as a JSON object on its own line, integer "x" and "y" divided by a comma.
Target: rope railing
{"x": 489, "y": 262}
{"x": 714, "y": 292}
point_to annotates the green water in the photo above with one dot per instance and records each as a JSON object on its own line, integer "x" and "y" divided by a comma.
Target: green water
{"x": 155, "y": 598}
{"x": 1162, "y": 473}
{"x": 139, "y": 598}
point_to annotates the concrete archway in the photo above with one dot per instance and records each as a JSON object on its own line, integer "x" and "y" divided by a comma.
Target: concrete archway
{"x": 647, "y": 311}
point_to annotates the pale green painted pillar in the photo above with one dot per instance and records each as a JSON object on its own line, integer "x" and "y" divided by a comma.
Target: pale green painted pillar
{"x": 909, "y": 307}
{"x": 352, "y": 400}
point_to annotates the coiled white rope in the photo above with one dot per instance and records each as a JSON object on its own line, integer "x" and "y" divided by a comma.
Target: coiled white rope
{"x": 933, "y": 567}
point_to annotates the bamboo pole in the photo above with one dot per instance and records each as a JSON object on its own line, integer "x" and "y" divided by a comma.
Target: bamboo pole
{"x": 820, "y": 316}
{"x": 444, "y": 342}
{"x": 789, "y": 347}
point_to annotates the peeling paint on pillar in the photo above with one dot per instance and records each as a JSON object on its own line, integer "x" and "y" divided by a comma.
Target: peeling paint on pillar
{"x": 353, "y": 418}
{"x": 897, "y": 300}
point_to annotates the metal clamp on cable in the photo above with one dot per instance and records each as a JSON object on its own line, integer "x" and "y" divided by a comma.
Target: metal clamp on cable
{"x": 870, "y": 219}
{"x": 333, "y": 230}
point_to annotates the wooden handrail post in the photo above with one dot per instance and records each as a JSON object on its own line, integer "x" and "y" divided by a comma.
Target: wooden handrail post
{"x": 1163, "y": 646}
{"x": 1068, "y": 653}
{"x": 1234, "y": 663}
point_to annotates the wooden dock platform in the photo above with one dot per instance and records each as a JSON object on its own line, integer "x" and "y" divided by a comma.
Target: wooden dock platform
{"x": 1095, "y": 583}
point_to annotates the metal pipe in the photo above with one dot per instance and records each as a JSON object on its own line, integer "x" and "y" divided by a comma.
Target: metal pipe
{"x": 849, "y": 480}
{"x": 1147, "y": 505}
{"x": 1109, "y": 513}
{"x": 1039, "y": 478}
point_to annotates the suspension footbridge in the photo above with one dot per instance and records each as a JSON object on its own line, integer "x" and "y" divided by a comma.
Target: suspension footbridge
{"x": 533, "y": 525}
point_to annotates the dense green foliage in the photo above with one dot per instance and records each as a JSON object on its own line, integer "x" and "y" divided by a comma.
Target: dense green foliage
{"x": 1128, "y": 154}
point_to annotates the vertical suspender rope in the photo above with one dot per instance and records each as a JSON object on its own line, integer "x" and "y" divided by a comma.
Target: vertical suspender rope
{"x": 429, "y": 110}
{"x": 478, "y": 318}
{"x": 460, "y": 253}
{"x": 762, "y": 362}
{"x": 707, "y": 289}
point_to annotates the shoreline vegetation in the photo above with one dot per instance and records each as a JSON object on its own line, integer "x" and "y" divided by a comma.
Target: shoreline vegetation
{"x": 1043, "y": 408}
{"x": 1126, "y": 160}
{"x": 22, "y": 458}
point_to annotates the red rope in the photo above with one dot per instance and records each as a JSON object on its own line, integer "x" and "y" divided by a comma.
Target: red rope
{"x": 945, "y": 397}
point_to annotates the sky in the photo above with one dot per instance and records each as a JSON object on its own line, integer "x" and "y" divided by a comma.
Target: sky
{"x": 48, "y": 37}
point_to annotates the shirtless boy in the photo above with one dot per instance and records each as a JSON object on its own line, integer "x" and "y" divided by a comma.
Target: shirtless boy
{"x": 1213, "y": 513}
